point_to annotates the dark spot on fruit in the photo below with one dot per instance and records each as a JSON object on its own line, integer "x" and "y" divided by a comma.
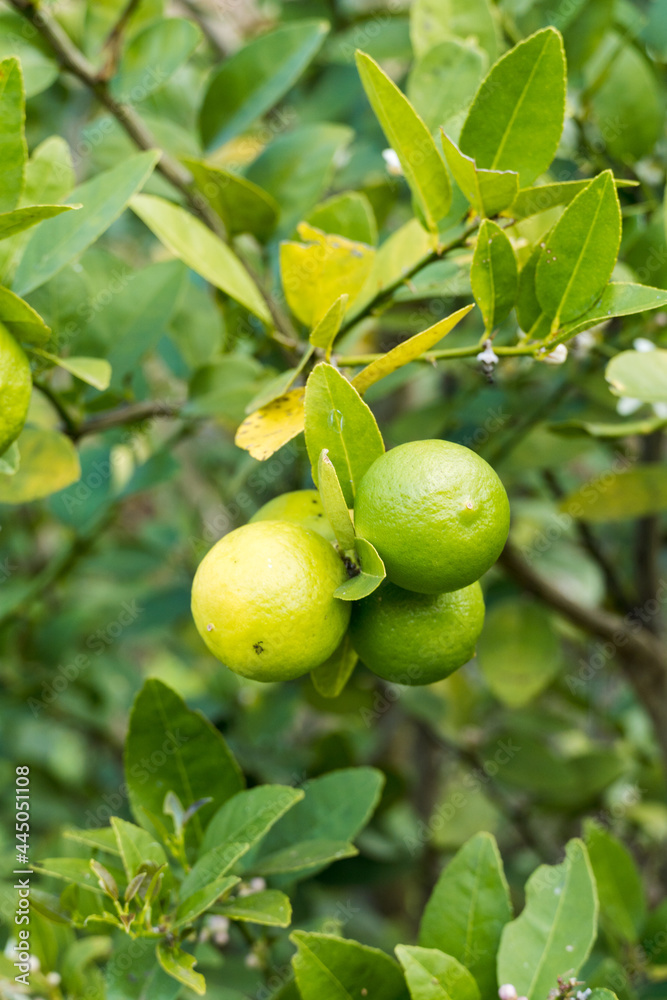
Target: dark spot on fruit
{"x": 258, "y": 647}
{"x": 352, "y": 568}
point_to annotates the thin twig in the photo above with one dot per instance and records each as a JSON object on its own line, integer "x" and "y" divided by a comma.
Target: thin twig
{"x": 114, "y": 41}
{"x": 133, "y": 413}
{"x": 643, "y": 656}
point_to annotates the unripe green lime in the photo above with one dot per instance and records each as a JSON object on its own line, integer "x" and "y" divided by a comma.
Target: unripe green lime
{"x": 302, "y": 507}
{"x": 411, "y": 638}
{"x": 262, "y": 600}
{"x": 15, "y": 388}
{"x": 436, "y": 512}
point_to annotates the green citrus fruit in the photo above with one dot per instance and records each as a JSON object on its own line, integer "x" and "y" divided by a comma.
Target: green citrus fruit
{"x": 436, "y": 512}
{"x": 302, "y": 507}
{"x": 411, "y": 638}
{"x": 15, "y": 388}
{"x": 262, "y": 600}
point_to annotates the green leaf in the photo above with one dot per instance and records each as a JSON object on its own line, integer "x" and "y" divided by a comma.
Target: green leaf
{"x": 639, "y": 375}
{"x": 580, "y": 253}
{"x": 135, "y": 974}
{"x": 489, "y": 191}
{"x": 169, "y": 747}
{"x": 242, "y": 205}
{"x": 152, "y": 56}
{"x": 58, "y": 241}
{"x": 13, "y": 148}
{"x": 613, "y": 429}
{"x": 103, "y": 838}
{"x": 349, "y": 214}
{"x": 436, "y": 21}
{"x": 618, "y": 299}
{"x": 93, "y": 371}
{"x": 75, "y": 870}
{"x": 50, "y": 175}
{"x": 619, "y": 884}
{"x": 325, "y": 332}
{"x": 555, "y": 932}
{"x": 631, "y": 493}
{"x": 533, "y": 200}
{"x": 136, "y": 846}
{"x": 105, "y": 879}
{"x": 317, "y": 272}
{"x": 302, "y": 855}
{"x": 333, "y": 501}
{"x": 37, "y": 63}
{"x": 516, "y": 119}
{"x": 250, "y": 814}
{"x": 468, "y": 909}
{"x": 494, "y": 274}
{"x": 443, "y": 82}
{"x": 20, "y": 219}
{"x": 180, "y": 964}
{"x": 528, "y": 309}
{"x": 410, "y": 138}
{"x": 139, "y": 315}
{"x": 518, "y": 651}
{"x": 336, "y": 807}
{"x": 408, "y": 351}
{"x": 626, "y": 102}
{"x": 255, "y": 78}
{"x": 211, "y": 866}
{"x": 327, "y": 966}
{"x": 193, "y": 243}
{"x": 21, "y": 319}
{"x": 49, "y": 462}
{"x": 432, "y": 975}
{"x": 269, "y": 907}
{"x": 338, "y": 419}
{"x": 369, "y": 579}
{"x": 203, "y": 899}
{"x": 330, "y": 677}
{"x": 298, "y": 166}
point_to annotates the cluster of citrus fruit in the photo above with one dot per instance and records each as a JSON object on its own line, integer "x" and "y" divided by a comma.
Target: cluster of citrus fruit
{"x": 438, "y": 515}
{"x": 15, "y": 388}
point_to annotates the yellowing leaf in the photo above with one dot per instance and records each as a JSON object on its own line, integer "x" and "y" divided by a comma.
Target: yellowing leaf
{"x": 407, "y": 351}
{"x": 269, "y": 428}
{"x": 319, "y": 271}
{"x": 49, "y": 462}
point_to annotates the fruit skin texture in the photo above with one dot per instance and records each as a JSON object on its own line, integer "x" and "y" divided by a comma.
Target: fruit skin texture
{"x": 302, "y": 507}
{"x": 436, "y": 512}
{"x": 267, "y": 590}
{"x": 410, "y": 638}
{"x": 15, "y": 388}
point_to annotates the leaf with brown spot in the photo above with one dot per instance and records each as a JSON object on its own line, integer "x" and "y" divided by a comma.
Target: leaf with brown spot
{"x": 269, "y": 428}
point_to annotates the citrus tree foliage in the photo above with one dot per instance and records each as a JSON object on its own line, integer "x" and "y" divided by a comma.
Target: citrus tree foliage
{"x": 245, "y": 248}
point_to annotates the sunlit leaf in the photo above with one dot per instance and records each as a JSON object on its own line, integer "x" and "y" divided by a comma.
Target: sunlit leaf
{"x": 269, "y": 428}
